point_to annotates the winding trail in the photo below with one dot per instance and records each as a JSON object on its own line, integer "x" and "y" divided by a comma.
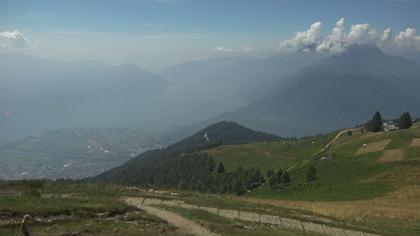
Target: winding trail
{"x": 186, "y": 226}
{"x": 190, "y": 227}
{"x": 323, "y": 149}
{"x": 336, "y": 137}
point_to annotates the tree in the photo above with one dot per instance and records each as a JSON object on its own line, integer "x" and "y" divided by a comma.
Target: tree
{"x": 311, "y": 174}
{"x": 375, "y": 124}
{"x": 238, "y": 187}
{"x": 270, "y": 173}
{"x": 349, "y": 133}
{"x": 221, "y": 168}
{"x": 279, "y": 174}
{"x": 405, "y": 121}
{"x": 285, "y": 178}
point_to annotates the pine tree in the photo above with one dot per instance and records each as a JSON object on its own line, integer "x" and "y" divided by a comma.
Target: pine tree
{"x": 405, "y": 121}
{"x": 311, "y": 174}
{"x": 221, "y": 168}
{"x": 273, "y": 182}
{"x": 278, "y": 175}
{"x": 285, "y": 178}
{"x": 270, "y": 173}
{"x": 375, "y": 124}
{"x": 238, "y": 187}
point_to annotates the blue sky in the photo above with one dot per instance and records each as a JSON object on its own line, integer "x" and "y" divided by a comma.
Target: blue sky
{"x": 159, "y": 33}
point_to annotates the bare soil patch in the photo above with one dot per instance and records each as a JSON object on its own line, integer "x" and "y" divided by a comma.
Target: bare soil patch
{"x": 373, "y": 147}
{"x": 415, "y": 142}
{"x": 392, "y": 155}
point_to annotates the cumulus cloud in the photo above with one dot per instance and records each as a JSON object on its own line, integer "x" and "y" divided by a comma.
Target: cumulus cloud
{"x": 303, "y": 40}
{"x": 232, "y": 50}
{"x": 408, "y": 39}
{"x": 339, "y": 39}
{"x": 386, "y": 38}
{"x": 335, "y": 41}
{"x": 12, "y": 39}
{"x": 361, "y": 33}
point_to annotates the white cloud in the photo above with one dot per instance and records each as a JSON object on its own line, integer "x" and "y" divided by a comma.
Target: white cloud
{"x": 231, "y": 50}
{"x": 335, "y": 41}
{"x": 12, "y": 39}
{"x": 361, "y": 33}
{"x": 386, "y": 38}
{"x": 338, "y": 40}
{"x": 303, "y": 40}
{"x": 408, "y": 39}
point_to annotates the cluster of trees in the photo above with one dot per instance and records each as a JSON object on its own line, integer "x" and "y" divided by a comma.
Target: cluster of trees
{"x": 238, "y": 181}
{"x": 202, "y": 176}
{"x": 197, "y": 171}
{"x": 376, "y": 123}
{"x": 278, "y": 179}
{"x": 281, "y": 178}
{"x": 190, "y": 171}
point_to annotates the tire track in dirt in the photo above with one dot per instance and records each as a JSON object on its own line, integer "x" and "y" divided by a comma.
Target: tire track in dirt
{"x": 186, "y": 226}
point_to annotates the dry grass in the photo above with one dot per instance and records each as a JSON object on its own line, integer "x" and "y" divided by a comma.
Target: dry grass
{"x": 401, "y": 204}
{"x": 373, "y": 147}
{"x": 415, "y": 142}
{"x": 371, "y": 134}
{"x": 392, "y": 155}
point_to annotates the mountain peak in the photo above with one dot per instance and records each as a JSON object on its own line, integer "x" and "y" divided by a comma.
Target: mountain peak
{"x": 222, "y": 133}
{"x": 363, "y": 50}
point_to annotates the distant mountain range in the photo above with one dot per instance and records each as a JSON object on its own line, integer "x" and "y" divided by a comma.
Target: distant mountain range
{"x": 244, "y": 79}
{"x": 293, "y": 94}
{"x": 340, "y": 91}
{"x": 42, "y": 94}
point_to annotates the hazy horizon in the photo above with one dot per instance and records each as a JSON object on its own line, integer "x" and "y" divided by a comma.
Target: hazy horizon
{"x": 156, "y": 34}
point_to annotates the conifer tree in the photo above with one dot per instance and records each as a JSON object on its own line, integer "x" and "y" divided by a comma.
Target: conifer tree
{"x": 405, "y": 121}
{"x": 311, "y": 174}
{"x": 221, "y": 168}
{"x": 375, "y": 124}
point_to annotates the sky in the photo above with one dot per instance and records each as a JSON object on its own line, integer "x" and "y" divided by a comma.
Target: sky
{"x": 155, "y": 34}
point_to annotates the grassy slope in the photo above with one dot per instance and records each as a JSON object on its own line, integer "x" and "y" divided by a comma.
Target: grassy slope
{"x": 74, "y": 209}
{"x": 344, "y": 176}
{"x": 268, "y": 155}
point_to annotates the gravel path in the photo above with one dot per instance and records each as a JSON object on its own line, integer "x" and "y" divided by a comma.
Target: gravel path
{"x": 193, "y": 228}
{"x": 186, "y": 226}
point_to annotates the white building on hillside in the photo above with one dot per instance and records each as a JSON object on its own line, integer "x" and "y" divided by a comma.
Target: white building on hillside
{"x": 390, "y": 125}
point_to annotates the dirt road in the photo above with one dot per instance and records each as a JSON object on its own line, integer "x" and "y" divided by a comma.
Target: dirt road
{"x": 186, "y": 226}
